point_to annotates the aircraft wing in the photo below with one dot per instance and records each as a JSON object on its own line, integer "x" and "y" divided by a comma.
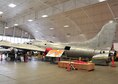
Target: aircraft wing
{"x": 5, "y": 43}
{"x": 3, "y": 50}
{"x": 27, "y": 47}
{"x": 21, "y": 46}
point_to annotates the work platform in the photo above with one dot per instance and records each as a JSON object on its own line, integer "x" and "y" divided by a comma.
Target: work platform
{"x": 75, "y": 65}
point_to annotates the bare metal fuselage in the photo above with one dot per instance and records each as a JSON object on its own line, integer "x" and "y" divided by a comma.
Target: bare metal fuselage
{"x": 103, "y": 40}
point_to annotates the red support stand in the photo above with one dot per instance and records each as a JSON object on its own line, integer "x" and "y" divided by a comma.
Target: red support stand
{"x": 68, "y": 67}
{"x": 25, "y": 58}
{"x": 113, "y": 63}
{"x": 59, "y": 59}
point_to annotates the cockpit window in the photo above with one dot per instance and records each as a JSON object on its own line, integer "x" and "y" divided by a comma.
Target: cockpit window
{"x": 102, "y": 52}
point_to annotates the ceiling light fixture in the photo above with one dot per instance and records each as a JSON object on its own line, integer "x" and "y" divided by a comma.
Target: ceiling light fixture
{"x": 111, "y": 21}
{"x": 68, "y": 34}
{"x": 44, "y": 16}
{"x": 12, "y": 5}
{"x": 30, "y": 20}
{"x": 53, "y": 37}
{"x": 15, "y": 24}
{"x": 81, "y": 34}
{"x": 1, "y": 12}
{"x": 101, "y": 0}
{"x": 26, "y": 33}
{"x": 36, "y": 31}
{"x": 6, "y": 27}
{"x": 66, "y": 25}
{"x": 51, "y": 28}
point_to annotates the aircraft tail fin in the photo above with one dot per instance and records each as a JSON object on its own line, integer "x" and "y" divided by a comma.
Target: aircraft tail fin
{"x": 104, "y": 38}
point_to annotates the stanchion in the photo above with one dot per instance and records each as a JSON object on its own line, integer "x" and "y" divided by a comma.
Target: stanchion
{"x": 69, "y": 67}
{"x": 113, "y": 63}
{"x": 1, "y": 57}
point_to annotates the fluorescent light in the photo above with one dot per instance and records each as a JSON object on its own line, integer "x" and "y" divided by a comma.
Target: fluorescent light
{"x": 36, "y": 31}
{"x": 30, "y": 20}
{"x": 101, "y": 0}
{"x": 6, "y": 27}
{"x": 68, "y": 35}
{"x": 66, "y": 25}
{"x": 12, "y": 5}
{"x": 1, "y": 12}
{"x": 111, "y": 21}
{"x": 51, "y": 28}
{"x": 26, "y": 33}
{"x": 15, "y": 24}
{"x": 81, "y": 34}
{"x": 53, "y": 37}
{"x": 44, "y": 16}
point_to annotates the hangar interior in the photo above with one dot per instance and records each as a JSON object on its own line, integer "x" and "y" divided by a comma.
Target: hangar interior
{"x": 56, "y": 20}
{"x": 61, "y": 21}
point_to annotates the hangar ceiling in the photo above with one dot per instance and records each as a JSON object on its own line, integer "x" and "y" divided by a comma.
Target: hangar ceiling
{"x": 66, "y": 20}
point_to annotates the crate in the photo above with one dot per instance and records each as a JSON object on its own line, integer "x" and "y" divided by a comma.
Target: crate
{"x": 63, "y": 64}
{"x": 78, "y": 66}
{"x": 87, "y": 66}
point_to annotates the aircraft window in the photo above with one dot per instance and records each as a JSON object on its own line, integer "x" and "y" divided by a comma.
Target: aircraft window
{"x": 15, "y": 39}
{"x": 67, "y": 48}
{"x": 100, "y": 52}
{"x": 103, "y": 51}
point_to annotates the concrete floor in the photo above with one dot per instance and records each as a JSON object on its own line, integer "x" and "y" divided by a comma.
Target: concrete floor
{"x": 46, "y": 73}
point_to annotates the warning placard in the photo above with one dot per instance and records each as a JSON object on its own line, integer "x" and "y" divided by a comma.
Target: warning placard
{"x": 55, "y": 53}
